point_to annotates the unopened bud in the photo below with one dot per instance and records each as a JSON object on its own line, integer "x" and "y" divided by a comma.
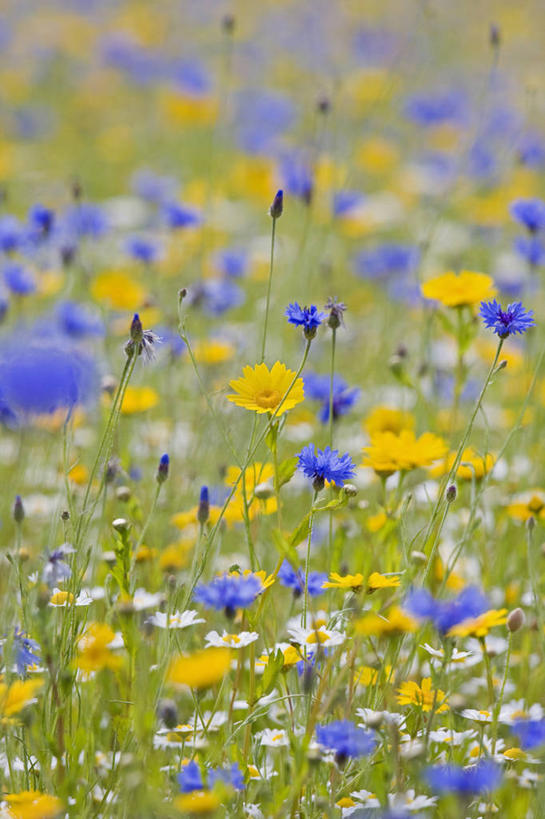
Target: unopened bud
{"x": 167, "y": 711}
{"x": 203, "y": 512}
{"x": 18, "y": 510}
{"x": 65, "y": 515}
{"x": 137, "y": 331}
{"x": 123, "y": 493}
{"x": 162, "y": 471}
{"x": 121, "y": 525}
{"x": 515, "y": 620}
{"x": 277, "y": 206}
{"x": 451, "y": 493}
{"x": 228, "y": 23}
{"x": 318, "y": 483}
{"x": 109, "y": 557}
{"x": 264, "y": 490}
{"x": 350, "y": 490}
{"x": 531, "y": 523}
{"x": 109, "y": 384}
{"x": 418, "y": 557}
{"x": 495, "y": 35}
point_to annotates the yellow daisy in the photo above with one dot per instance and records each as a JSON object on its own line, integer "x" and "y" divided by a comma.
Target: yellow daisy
{"x": 348, "y": 581}
{"x": 459, "y": 290}
{"x": 389, "y": 452}
{"x": 423, "y": 695}
{"x": 262, "y": 390}
{"x": 479, "y": 626}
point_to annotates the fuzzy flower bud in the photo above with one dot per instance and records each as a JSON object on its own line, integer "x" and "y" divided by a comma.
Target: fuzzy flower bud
{"x": 162, "y": 471}
{"x": 277, "y": 205}
{"x": 203, "y": 512}
{"x": 451, "y": 493}
{"x": 18, "y": 510}
{"x": 515, "y": 620}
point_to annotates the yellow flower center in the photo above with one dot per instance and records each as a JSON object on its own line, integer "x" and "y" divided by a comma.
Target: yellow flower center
{"x": 268, "y": 399}
{"x": 231, "y": 638}
{"x": 535, "y": 504}
{"x": 317, "y": 637}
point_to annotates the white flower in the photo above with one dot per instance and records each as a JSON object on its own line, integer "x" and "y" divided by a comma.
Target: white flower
{"x": 177, "y": 620}
{"x": 516, "y": 709}
{"x": 366, "y": 798}
{"x": 143, "y": 600}
{"x": 274, "y": 738}
{"x": 458, "y": 659}
{"x": 477, "y": 716}
{"x": 322, "y": 636}
{"x": 410, "y": 802}
{"x": 61, "y": 599}
{"x": 231, "y": 640}
{"x": 449, "y": 737}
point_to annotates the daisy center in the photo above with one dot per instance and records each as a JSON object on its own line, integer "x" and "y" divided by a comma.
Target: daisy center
{"x": 268, "y": 399}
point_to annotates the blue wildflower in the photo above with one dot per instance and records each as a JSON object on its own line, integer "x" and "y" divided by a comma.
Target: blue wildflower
{"x": 261, "y": 117}
{"x": 232, "y": 262}
{"x": 163, "y": 468}
{"x": 529, "y": 212}
{"x": 445, "y": 614}
{"x": 297, "y": 177}
{"x": 56, "y": 569}
{"x": 143, "y": 249}
{"x": 514, "y": 319}
{"x": 325, "y": 465}
{"x": 216, "y": 296}
{"x": 346, "y": 201}
{"x": 78, "y": 321}
{"x": 296, "y": 580}
{"x": 178, "y": 215}
{"x": 229, "y": 592}
{"x": 346, "y": 739}
{"x": 317, "y": 388}
{"x": 85, "y": 219}
{"x": 232, "y": 776}
{"x": 309, "y": 318}
{"x": 26, "y": 651}
{"x": 480, "y": 778}
{"x": 530, "y": 248}
{"x": 530, "y": 732}
{"x": 41, "y": 220}
{"x": 191, "y": 76}
{"x": 531, "y": 150}
{"x": 189, "y": 778}
{"x": 203, "y": 511}
{"x": 18, "y": 279}
{"x": 435, "y": 108}
{"x": 385, "y": 260}
{"x": 11, "y": 234}
{"x": 152, "y": 187}
{"x": 277, "y": 207}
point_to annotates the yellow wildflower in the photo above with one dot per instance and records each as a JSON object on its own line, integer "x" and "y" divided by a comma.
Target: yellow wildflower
{"x": 459, "y": 290}
{"x": 396, "y": 622}
{"x": 390, "y": 453}
{"x": 376, "y": 522}
{"x": 387, "y": 419}
{"x": 175, "y": 556}
{"x": 17, "y": 696}
{"x": 479, "y": 626}
{"x": 33, "y": 805}
{"x": 118, "y": 290}
{"x": 59, "y": 598}
{"x": 533, "y": 506}
{"x": 348, "y": 581}
{"x": 201, "y": 669}
{"x": 423, "y": 695}
{"x": 94, "y": 651}
{"x": 197, "y": 802}
{"x": 139, "y": 399}
{"x": 380, "y": 581}
{"x": 213, "y": 351}
{"x": 472, "y": 465}
{"x": 262, "y": 390}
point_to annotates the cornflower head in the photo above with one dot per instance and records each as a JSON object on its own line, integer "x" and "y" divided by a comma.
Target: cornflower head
{"x": 24, "y": 649}
{"x": 141, "y": 341}
{"x": 277, "y": 207}
{"x": 529, "y": 212}
{"x": 56, "y": 570}
{"x": 309, "y": 318}
{"x": 325, "y": 465}
{"x": 514, "y": 319}
{"x": 163, "y": 468}
{"x": 346, "y": 739}
{"x": 530, "y": 732}
{"x": 189, "y": 778}
{"x": 229, "y": 592}
{"x": 231, "y": 777}
{"x": 480, "y": 778}
{"x": 446, "y": 614}
{"x": 295, "y": 580}
{"x": 336, "y": 311}
{"x": 317, "y": 388}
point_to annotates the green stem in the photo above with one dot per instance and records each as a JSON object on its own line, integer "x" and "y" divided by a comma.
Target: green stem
{"x": 499, "y": 703}
{"x": 271, "y": 266}
{"x": 307, "y": 562}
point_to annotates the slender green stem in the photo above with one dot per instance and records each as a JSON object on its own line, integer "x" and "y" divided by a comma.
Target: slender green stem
{"x": 499, "y": 703}
{"x": 267, "y": 306}
{"x": 307, "y": 561}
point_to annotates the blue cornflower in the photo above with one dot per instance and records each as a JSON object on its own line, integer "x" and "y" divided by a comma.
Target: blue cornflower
{"x": 85, "y": 219}
{"x": 296, "y": 580}
{"x": 24, "y": 649}
{"x": 232, "y": 262}
{"x": 529, "y": 212}
{"x": 216, "y": 296}
{"x": 56, "y": 569}
{"x": 530, "y": 732}
{"x": 189, "y": 778}
{"x": 41, "y": 220}
{"x": 229, "y": 592}
{"x": 530, "y": 248}
{"x": 480, "y": 778}
{"x": 514, "y": 319}
{"x": 297, "y": 177}
{"x": 435, "y": 108}
{"x": 18, "y": 279}
{"x": 346, "y": 201}
{"x": 78, "y": 321}
{"x": 11, "y": 233}
{"x": 445, "y": 614}
{"x": 387, "y": 259}
{"x": 317, "y": 387}
{"x": 143, "y": 249}
{"x": 309, "y": 318}
{"x": 178, "y": 215}
{"x": 347, "y": 740}
{"x": 163, "y": 468}
{"x": 325, "y": 465}
{"x": 152, "y": 187}
{"x": 232, "y": 776}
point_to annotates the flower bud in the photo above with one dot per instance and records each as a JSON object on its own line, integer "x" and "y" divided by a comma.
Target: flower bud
{"x": 451, "y": 493}
{"x": 18, "y": 510}
{"x": 167, "y": 711}
{"x": 515, "y": 620}
{"x": 137, "y": 331}
{"x": 418, "y": 557}
{"x": 203, "y": 512}
{"x": 350, "y": 490}
{"x": 123, "y": 493}
{"x": 109, "y": 557}
{"x": 277, "y": 206}
{"x": 264, "y": 490}
{"x": 121, "y": 525}
{"x": 162, "y": 471}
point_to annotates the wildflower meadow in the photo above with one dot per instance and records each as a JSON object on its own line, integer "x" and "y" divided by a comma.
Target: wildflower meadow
{"x": 272, "y": 388}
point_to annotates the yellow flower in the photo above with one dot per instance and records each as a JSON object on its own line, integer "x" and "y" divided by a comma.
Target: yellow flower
{"x": 455, "y": 582}
{"x": 410, "y": 693}
{"x": 197, "y": 802}
{"x": 386, "y": 419}
{"x": 33, "y": 805}
{"x": 396, "y": 622}
{"x": 118, "y": 290}
{"x": 145, "y": 553}
{"x": 79, "y": 474}
{"x": 389, "y": 452}
{"x": 532, "y": 507}
{"x": 94, "y": 652}
{"x": 201, "y": 669}
{"x": 479, "y": 626}
{"x": 376, "y": 522}
{"x": 367, "y": 675}
{"x": 377, "y": 156}
{"x": 471, "y": 466}
{"x": 175, "y": 556}
{"x": 348, "y": 581}
{"x": 213, "y": 352}
{"x": 345, "y": 802}
{"x": 181, "y": 109}
{"x": 265, "y": 579}
{"x": 261, "y": 390}
{"x": 254, "y": 475}
{"x": 379, "y": 581}
{"x": 59, "y": 598}
{"x": 139, "y": 399}
{"x": 17, "y": 696}
{"x": 458, "y": 290}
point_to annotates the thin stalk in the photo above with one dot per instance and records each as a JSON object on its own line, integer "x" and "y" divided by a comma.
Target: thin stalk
{"x": 271, "y": 267}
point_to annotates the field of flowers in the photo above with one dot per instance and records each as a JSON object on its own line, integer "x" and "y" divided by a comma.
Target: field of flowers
{"x": 272, "y": 321}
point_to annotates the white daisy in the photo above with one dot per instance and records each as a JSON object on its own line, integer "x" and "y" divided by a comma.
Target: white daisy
{"x": 244, "y": 638}
{"x": 177, "y": 620}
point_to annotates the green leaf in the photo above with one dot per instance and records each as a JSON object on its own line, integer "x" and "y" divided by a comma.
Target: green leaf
{"x": 301, "y": 533}
{"x": 285, "y": 548}
{"x": 286, "y": 470}
{"x": 270, "y": 674}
